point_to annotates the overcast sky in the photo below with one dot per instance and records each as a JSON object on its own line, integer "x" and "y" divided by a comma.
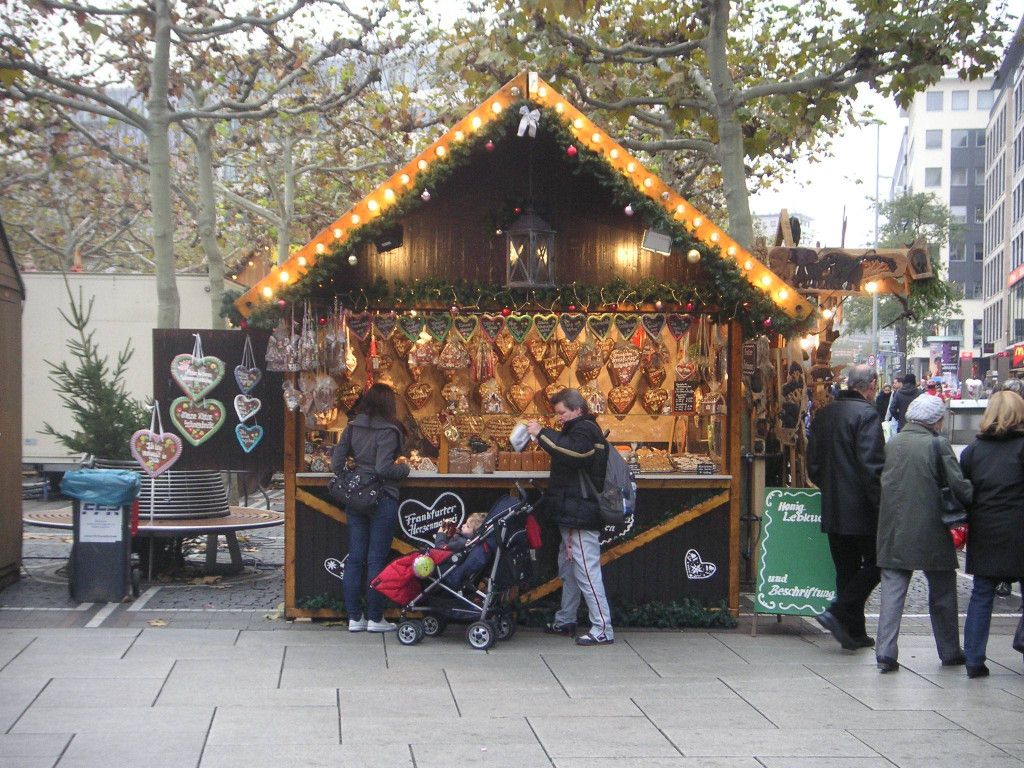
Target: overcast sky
{"x": 821, "y": 189}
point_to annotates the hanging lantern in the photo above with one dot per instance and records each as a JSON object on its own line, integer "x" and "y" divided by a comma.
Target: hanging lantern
{"x": 529, "y": 252}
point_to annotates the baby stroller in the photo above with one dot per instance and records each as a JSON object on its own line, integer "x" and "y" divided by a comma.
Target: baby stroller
{"x": 499, "y": 555}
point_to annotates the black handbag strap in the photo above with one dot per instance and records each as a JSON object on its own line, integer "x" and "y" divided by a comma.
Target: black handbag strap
{"x": 938, "y": 458}
{"x": 586, "y": 482}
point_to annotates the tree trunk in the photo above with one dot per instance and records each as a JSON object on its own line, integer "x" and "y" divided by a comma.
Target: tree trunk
{"x": 284, "y": 231}
{"x": 159, "y": 151}
{"x": 207, "y": 221}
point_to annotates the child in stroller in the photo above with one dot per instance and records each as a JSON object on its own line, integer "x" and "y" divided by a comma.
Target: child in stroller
{"x": 497, "y": 554}
{"x": 455, "y": 538}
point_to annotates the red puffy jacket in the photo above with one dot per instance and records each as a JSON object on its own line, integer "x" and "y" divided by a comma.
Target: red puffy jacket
{"x": 398, "y": 582}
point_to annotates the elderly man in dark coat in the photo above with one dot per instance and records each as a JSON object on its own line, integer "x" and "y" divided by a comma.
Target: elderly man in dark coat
{"x": 845, "y": 455}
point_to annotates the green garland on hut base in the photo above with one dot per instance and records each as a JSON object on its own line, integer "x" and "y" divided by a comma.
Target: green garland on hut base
{"x": 724, "y": 293}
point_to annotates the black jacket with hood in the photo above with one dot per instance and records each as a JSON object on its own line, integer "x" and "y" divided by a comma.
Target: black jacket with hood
{"x": 901, "y": 400}
{"x": 579, "y": 446}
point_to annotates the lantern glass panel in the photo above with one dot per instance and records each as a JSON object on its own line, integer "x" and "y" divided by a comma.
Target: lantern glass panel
{"x": 530, "y": 249}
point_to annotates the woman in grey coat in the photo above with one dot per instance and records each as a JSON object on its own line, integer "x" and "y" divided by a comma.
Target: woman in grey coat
{"x": 911, "y": 534}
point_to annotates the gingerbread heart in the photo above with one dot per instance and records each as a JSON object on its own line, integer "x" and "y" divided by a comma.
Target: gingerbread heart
{"x": 248, "y": 437}
{"x": 553, "y": 367}
{"x": 519, "y": 365}
{"x": 654, "y": 376}
{"x": 627, "y": 325}
{"x": 503, "y": 345}
{"x": 385, "y": 324}
{"x": 418, "y": 394}
{"x": 348, "y": 395}
{"x": 402, "y": 345}
{"x": 588, "y": 375}
{"x": 197, "y": 376}
{"x": 606, "y": 347}
{"x": 550, "y": 391}
{"x": 500, "y": 427}
{"x": 538, "y": 349}
{"x": 466, "y": 325}
{"x": 491, "y": 326}
{"x": 572, "y": 324}
{"x": 197, "y": 422}
{"x": 438, "y": 325}
{"x": 520, "y": 396}
{"x": 411, "y": 325}
{"x": 155, "y": 451}
{"x": 545, "y": 325}
{"x": 621, "y": 399}
{"x": 623, "y": 365}
{"x": 246, "y": 407}
{"x": 599, "y": 325}
{"x": 568, "y": 350}
{"x": 247, "y": 378}
{"x": 469, "y": 424}
{"x": 653, "y": 400}
{"x": 518, "y": 326}
{"x": 431, "y": 429}
{"x": 678, "y": 325}
{"x": 685, "y": 370}
{"x": 360, "y": 325}
{"x": 653, "y": 323}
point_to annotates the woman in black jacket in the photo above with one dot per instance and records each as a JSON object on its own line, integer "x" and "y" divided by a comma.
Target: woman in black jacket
{"x": 994, "y": 463}
{"x": 374, "y": 439}
{"x": 580, "y": 447}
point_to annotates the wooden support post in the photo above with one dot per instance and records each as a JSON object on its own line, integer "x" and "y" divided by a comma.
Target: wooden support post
{"x": 294, "y": 435}
{"x": 732, "y": 456}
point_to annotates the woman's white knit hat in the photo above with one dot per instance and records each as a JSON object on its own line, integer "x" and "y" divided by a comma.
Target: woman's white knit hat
{"x": 926, "y": 409}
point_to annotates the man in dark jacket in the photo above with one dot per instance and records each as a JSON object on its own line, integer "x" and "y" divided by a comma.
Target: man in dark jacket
{"x": 845, "y": 456}
{"x": 901, "y": 400}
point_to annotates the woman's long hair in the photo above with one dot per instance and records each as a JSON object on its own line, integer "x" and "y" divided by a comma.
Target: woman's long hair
{"x": 379, "y": 400}
{"x": 1003, "y": 415}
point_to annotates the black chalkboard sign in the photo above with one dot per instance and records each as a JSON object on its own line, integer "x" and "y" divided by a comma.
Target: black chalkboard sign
{"x": 684, "y": 397}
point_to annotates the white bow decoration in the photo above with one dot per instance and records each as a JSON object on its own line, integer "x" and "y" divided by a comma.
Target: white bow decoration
{"x": 529, "y": 121}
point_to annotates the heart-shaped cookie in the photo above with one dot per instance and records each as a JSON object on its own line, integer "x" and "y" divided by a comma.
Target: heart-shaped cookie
{"x": 503, "y": 345}
{"x": 605, "y": 347}
{"x": 678, "y": 325}
{"x": 685, "y": 370}
{"x": 155, "y": 451}
{"x": 623, "y": 365}
{"x": 402, "y": 344}
{"x": 572, "y": 324}
{"x": 520, "y": 396}
{"x": 418, "y": 393}
{"x": 197, "y": 377}
{"x": 246, "y": 407}
{"x": 347, "y": 395}
{"x": 653, "y": 323}
{"x": 545, "y": 325}
{"x": 247, "y": 378}
{"x": 568, "y": 350}
{"x": 627, "y": 325}
{"x": 469, "y": 424}
{"x": 553, "y": 367}
{"x": 411, "y": 325}
{"x": 588, "y": 374}
{"x": 518, "y": 326}
{"x": 431, "y": 428}
{"x": 248, "y": 437}
{"x": 466, "y": 325}
{"x": 197, "y": 422}
{"x": 491, "y": 326}
{"x": 654, "y": 376}
{"x": 550, "y": 391}
{"x": 599, "y": 325}
{"x": 653, "y": 400}
{"x": 519, "y": 365}
{"x": 360, "y": 325}
{"x": 500, "y": 427}
{"x": 538, "y": 349}
{"x": 438, "y": 325}
{"x": 385, "y": 323}
{"x": 621, "y": 399}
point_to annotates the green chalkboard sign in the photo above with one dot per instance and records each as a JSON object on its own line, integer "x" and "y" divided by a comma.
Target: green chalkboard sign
{"x": 795, "y": 575}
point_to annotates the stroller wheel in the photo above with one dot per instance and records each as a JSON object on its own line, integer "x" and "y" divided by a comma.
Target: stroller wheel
{"x": 433, "y": 625}
{"x": 481, "y": 635}
{"x": 410, "y": 632}
{"x": 506, "y": 624}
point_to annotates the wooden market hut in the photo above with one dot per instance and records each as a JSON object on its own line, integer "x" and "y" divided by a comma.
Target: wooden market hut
{"x": 526, "y": 206}
{"x": 12, "y": 299}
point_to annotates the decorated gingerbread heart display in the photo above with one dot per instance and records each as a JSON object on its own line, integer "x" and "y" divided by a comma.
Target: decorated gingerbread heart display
{"x": 360, "y": 324}
{"x": 627, "y": 325}
{"x": 654, "y": 376}
{"x": 466, "y": 325}
{"x": 599, "y": 325}
{"x": 518, "y": 326}
{"x": 653, "y": 400}
{"x": 491, "y": 326}
{"x": 418, "y": 394}
{"x": 248, "y": 437}
{"x": 621, "y": 399}
{"x": 538, "y": 349}
{"x": 503, "y": 345}
{"x": 685, "y": 370}
{"x": 348, "y": 395}
{"x": 606, "y": 347}
{"x": 411, "y": 325}
{"x": 500, "y": 427}
{"x": 247, "y": 378}
{"x": 197, "y": 376}
{"x": 568, "y": 350}
{"x": 469, "y": 424}
{"x": 553, "y": 367}
{"x": 545, "y": 325}
{"x": 547, "y": 393}
{"x": 438, "y": 324}
{"x": 519, "y": 365}
{"x": 197, "y": 422}
{"x": 678, "y": 325}
{"x": 653, "y": 323}
{"x": 156, "y": 452}
{"x": 623, "y": 365}
{"x": 572, "y": 324}
{"x": 402, "y": 344}
{"x": 385, "y": 324}
{"x": 246, "y": 407}
{"x": 520, "y": 396}
{"x": 431, "y": 429}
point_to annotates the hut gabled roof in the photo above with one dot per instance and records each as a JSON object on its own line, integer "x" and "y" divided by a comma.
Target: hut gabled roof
{"x": 528, "y": 85}
{"x": 8, "y": 255}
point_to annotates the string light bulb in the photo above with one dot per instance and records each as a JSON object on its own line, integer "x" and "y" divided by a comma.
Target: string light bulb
{"x": 748, "y": 265}
{"x": 631, "y": 167}
{"x": 496, "y": 108}
{"x": 731, "y": 250}
{"x": 283, "y": 276}
{"x": 404, "y": 178}
{"x": 766, "y": 281}
{"x": 827, "y": 314}
{"x": 302, "y": 259}
{"x": 476, "y": 122}
{"x": 337, "y": 233}
{"x": 614, "y": 154}
{"x": 648, "y": 182}
{"x": 577, "y": 123}
{"x": 783, "y": 294}
{"x": 268, "y": 291}
{"x": 352, "y": 260}
{"x": 459, "y": 135}
{"x": 697, "y": 221}
{"x": 559, "y": 107}
{"x": 355, "y": 218}
{"x": 440, "y": 151}
{"x": 422, "y": 165}
{"x": 596, "y": 138}
{"x": 680, "y": 209}
{"x": 389, "y": 195}
{"x": 714, "y": 237}
{"x": 372, "y": 205}
{"x": 871, "y": 286}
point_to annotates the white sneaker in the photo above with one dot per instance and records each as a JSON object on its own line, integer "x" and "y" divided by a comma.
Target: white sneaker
{"x": 380, "y": 626}
{"x": 357, "y": 625}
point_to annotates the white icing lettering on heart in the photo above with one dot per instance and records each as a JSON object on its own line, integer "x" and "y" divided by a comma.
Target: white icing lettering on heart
{"x": 697, "y": 568}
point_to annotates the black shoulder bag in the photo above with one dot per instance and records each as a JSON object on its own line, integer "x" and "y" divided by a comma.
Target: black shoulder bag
{"x": 954, "y": 514}
{"x": 357, "y": 490}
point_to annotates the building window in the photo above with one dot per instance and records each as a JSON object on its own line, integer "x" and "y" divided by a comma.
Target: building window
{"x": 955, "y": 328}
{"x": 960, "y": 101}
{"x": 978, "y": 324}
{"x": 979, "y": 177}
{"x": 979, "y": 251}
{"x": 933, "y": 139}
{"x": 959, "y": 138}
{"x": 957, "y": 251}
{"x": 958, "y": 178}
{"x": 933, "y": 101}
{"x": 933, "y": 177}
{"x": 1018, "y": 328}
{"x": 986, "y": 99}
{"x": 958, "y": 213}
{"x": 979, "y": 138}
{"x": 979, "y": 215}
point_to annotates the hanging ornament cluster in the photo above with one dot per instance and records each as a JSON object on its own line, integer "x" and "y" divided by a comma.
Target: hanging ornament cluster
{"x": 247, "y": 376}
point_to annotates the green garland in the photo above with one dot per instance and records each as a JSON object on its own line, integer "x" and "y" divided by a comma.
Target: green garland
{"x": 724, "y": 292}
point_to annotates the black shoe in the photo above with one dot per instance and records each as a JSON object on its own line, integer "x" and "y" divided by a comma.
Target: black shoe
{"x": 568, "y": 630}
{"x": 956, "y": 661}
{"x": 833, "y": 625}
{"x": 589, "y": 639}
{"x": 864, "y": 641}
{"x": 1003, "y": 589}
{"x": 973, "y": 672}
{"x": 885, "y": 664}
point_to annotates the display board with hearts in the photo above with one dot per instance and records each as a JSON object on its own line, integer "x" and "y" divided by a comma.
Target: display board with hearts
{"x": 420, "y": 522}
{"x": 197, "y": 422}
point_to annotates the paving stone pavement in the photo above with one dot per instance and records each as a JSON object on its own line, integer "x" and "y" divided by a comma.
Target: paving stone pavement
{"x": 208, "y": 678}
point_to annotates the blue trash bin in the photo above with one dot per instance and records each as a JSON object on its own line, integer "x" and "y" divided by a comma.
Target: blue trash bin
{"x": 99, "y": 569}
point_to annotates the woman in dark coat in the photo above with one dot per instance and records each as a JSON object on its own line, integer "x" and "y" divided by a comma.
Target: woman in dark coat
{"x": 580, "y": 447}
{"x": 911, "y": 534}
{"x": 994, "y": 463}
{"x": 374, "y": 439}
